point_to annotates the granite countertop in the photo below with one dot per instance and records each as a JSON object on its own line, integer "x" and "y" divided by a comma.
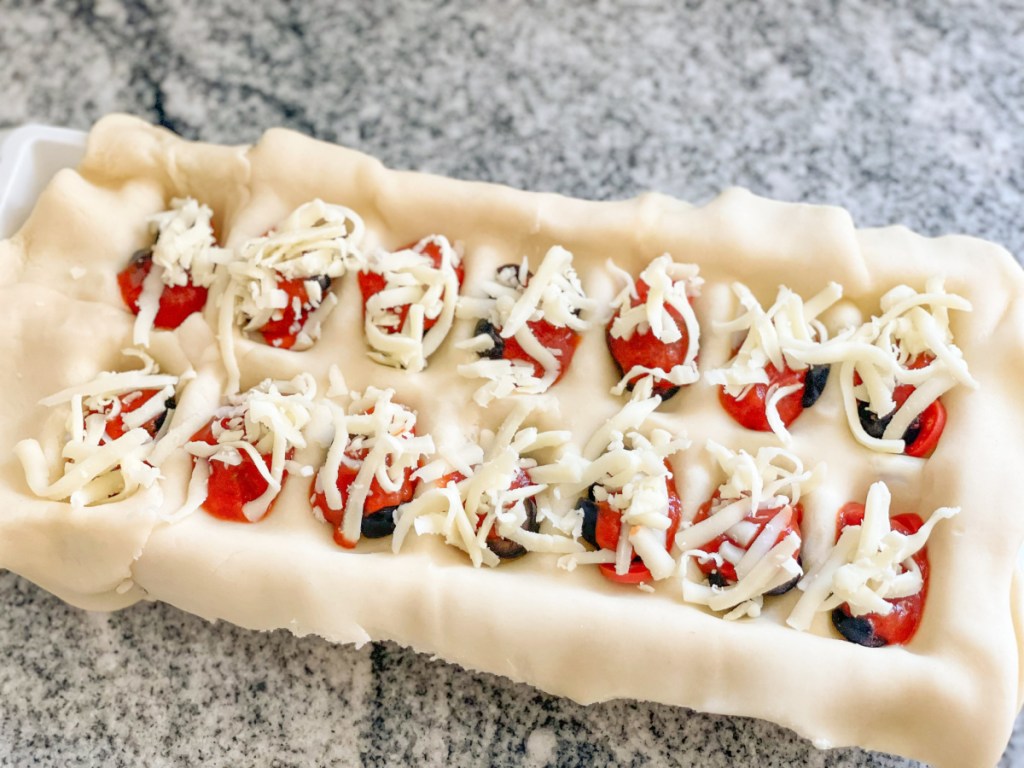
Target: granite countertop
{"x": 909, "y": 112}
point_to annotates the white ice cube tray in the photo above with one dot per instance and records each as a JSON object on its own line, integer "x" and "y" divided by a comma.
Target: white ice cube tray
{"x": 29, "y": 157}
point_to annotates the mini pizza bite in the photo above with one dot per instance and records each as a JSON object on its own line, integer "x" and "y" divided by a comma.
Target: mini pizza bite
{"x": 528, "y": 327}
{"x": 766, "y": 385}
{"x": 490, "y": 505}
{"x": 409, "y": 300}
{"x": 111, "y": 429}
{"x": 744, "y": 543}
{"x": 526, "y": 462}
{"x": 241, "y": 455}
{"x": 169, "y": 281}
{"x": 654, "y": 332}
{"x": 895, "y": 368}
{"x": 368, "y": 471}
{"x": 631, "y": 509}
{"x": 875, "y": 580}
{"x": 278, "y": 285}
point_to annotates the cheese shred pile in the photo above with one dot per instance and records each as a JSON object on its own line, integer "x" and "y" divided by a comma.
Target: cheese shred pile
{"x": 376, "y": 437}
{"x": 772, "y": 479}
{"x": 316, "y": 241}
{"x": 465, "y": 504}
{"x": 913, "y": 327}
{"x": 185, "y": 251}
{"x": 773, "y": 336}
{"x": 869, "y": 565}
{"x": 513, "y": 300}
{"x": 97, "y": 468}
{"x": 626, "y": 469}
{"x": 265, "y": 422}
{"x": 430, "y": 293}
{"x": 670, "y": 285}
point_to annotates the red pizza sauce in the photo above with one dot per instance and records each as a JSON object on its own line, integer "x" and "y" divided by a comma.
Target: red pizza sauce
{"x": 232, "y": 486}
{"x": 283, "y": 331}
{"x": 177, "y": 302}
{"x": 749, "y": 410}
{"x": 132, "y": 401}
{"x": 378, "y": 510}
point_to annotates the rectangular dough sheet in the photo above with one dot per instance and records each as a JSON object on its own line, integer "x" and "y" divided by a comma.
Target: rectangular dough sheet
{"x": 950, "y": 697}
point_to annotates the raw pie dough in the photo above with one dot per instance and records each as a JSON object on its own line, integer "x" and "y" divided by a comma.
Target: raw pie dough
{"x": 950, "y": 697}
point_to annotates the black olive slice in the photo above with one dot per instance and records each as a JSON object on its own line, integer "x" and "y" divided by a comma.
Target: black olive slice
{"x": 783, "y": 588}
{"x": 379, "y": 524}
{"x": 508, "y": 274}
{"x": 910, "y": 436}
{"x": 169, "y": 405}
{"x": 140, "y": 257}
{"x": 507, "y": 549}
{"x": 665, "y": 394}
{"x": 716, "y": 579}
{"x": 874, "y": 425}
{"x": 497, "y": 350}
{"x": 589, "y": 508}
{"x": 814, "y": 384}
{"x": 857, "y": 629}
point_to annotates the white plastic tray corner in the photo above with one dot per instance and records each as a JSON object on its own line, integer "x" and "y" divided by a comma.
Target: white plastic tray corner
{"x": 29, "y": 158}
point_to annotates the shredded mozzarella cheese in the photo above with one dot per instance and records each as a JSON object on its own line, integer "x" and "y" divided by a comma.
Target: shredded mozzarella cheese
{"x": 316, "y": 241}
{"x": 99, "y": 469}
{"x": 431, "y": 294}
{"x": 785, "y": 335}
{"x": 377, "y": 437}
{"x": 628, "y": 470}
{"x": 774, "y": 478}
{"x": 869, "y": 565}
{"x": 671, "y": 285}
{"x": 185, "y": 251}
{"x": 554, "y": 294}
{"x": 267, "y": 420}
{"x": 880, "y": 352}
{"x": 467, "y": 510}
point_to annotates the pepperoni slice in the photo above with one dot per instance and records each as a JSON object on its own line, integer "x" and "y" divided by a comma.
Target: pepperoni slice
{"x": 647, "y": 350}
{"x": 232, "y": 486}
{"x": 372, "y": 283}
{"x": 132, "y": 401}
{"x": 379, "y": 509}
{"x": 283, "y": 331}
{"x": 561, "y": 341}
{"x": 602, "y": 527}
{"x": 929, "y": 426}
{"x": 177, "y": 302}
{"x": 725, "y": 574}
{"x": 922, "y": 436}
{"x": 899, "y": 626}
{"x": 750, "y": 409}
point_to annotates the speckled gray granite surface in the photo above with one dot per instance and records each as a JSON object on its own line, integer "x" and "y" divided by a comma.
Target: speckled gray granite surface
{"x": 907, "y": 112}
